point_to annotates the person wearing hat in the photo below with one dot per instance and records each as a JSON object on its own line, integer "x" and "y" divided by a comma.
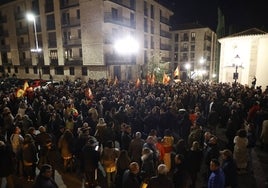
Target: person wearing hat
{"x": 229, "y": 168}
{"x": 101, "y": 126}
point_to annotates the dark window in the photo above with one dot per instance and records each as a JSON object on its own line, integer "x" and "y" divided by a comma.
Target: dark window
{"x": 35, "y": 69}
{"x": 84, "y": 71}
{"x": 80, "y": 52}
{"x": 71, "y": 70}
{"x": 114, "y": 13}
{"x": 59, "y": 71}
{"x": 52, "y": 41}
{"x": 152, "y": 11}
{"x": 27, "y": 70}
{"x": 78, "y": 14}
{"x": 50, "y": 22}
{"x": 46, "y": 70}
{"x": 16, "y": 70}
{"x": 176, "y": 37}
{"x": 145, "y": 25}
{"x": 49, "y": 6}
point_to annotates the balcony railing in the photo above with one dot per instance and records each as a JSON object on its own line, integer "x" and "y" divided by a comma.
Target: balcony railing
{"x": 165, "y": 47}
{"x": 125, "y": 3}
{"x": 72, "y": 42}
{"x": 165, "y": 34}
{"x": 164, "y": 20}
{"x": 54, "y": 62}
{"x": 109, "y": 18}
{"x": 73, "y": 61}
{"x": 71, "y": 22}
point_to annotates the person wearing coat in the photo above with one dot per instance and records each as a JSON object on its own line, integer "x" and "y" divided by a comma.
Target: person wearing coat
{"x": 161, "y": 180}
{"x": 44, "y": 178}
{"x": 6, "y": 164}
{"x": 29, "y": 157}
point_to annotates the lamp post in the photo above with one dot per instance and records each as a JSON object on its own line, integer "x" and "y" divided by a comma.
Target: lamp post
{"x": 203, "y": 71}
{"x": 37, "y": 50}
{"x": 236, "y": 64}
{"x": 187, "y": 67}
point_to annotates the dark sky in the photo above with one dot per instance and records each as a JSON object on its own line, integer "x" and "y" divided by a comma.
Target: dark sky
{"x": 242, "y": 14}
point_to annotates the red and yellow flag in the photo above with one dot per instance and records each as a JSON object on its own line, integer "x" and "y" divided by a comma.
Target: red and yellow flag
{"x": 166, "y": 79}
{"x": 177, "y": 72}
{"x": 115, "y": 81}
{"x": 138, "y": 83}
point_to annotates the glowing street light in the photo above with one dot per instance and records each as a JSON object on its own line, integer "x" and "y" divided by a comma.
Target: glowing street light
{"x": 187, "y": 67}
{"x": 127, "y": 45}
{"x": 31, "y": 17}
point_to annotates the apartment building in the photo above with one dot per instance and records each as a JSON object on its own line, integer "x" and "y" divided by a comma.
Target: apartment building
{"x": 76, "y": 38}
{"x": 194, "y": 51}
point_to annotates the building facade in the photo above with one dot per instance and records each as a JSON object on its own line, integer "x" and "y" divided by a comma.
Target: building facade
{"x": 194, "y": 50}
{"x": 77, "y": 38}
{"x": 244, "y": 55}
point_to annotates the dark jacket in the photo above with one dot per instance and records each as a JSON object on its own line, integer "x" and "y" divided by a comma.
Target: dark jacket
{"x": 131, "y": 180}
{"x": 6, "y": 163}
{"x": 160, "y": 181}
{"x": 44, "y": 182}
{"x": 229, "y": 169}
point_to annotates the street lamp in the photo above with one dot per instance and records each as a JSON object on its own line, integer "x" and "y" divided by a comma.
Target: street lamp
{"x": 187, "y": 67}
{"x": 237, "y": 63}
{"x": 37, "y": 50}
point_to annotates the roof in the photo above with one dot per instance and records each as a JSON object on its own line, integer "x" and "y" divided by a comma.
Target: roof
{"x": 252, "y": 31}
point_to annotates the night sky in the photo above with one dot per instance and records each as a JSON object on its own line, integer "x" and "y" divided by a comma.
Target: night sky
{"x": 243, "y": 14}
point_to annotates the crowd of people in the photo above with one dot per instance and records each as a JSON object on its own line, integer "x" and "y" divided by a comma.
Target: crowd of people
{"x": 128, "y": 135}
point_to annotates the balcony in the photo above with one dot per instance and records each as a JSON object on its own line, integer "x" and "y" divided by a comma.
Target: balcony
{"x": 128, "y": 4}
{"x": 164, "y": 20}
{"x": 68, "y": 4}
{"x": 76, "y": 61}
{"x": 113, "y": 59}
{"x": 166, "y": 47}
{"x": 54, "y": 62}
{"x": 72, "y": 42}
{"x": 165, "y": 34}
{"x": 109, "y": 18}
{"x": 70, "y": 22}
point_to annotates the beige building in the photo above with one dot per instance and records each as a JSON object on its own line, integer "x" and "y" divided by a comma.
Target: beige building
{"x": 194, "y": 50}
{"x": 244, "y": 55}
{"x": 77, "y": 38}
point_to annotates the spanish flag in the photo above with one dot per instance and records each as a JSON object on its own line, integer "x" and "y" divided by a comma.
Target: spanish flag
{"x": 177, "y": 72}
{"x": 88, "y": 93}
{"x": 138, "y": 83}
{"x": 115, "y": 81}
{"x": 25, "y": 85}
{"x": 166, "y": 79}
{"x": 20, "y": 93}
